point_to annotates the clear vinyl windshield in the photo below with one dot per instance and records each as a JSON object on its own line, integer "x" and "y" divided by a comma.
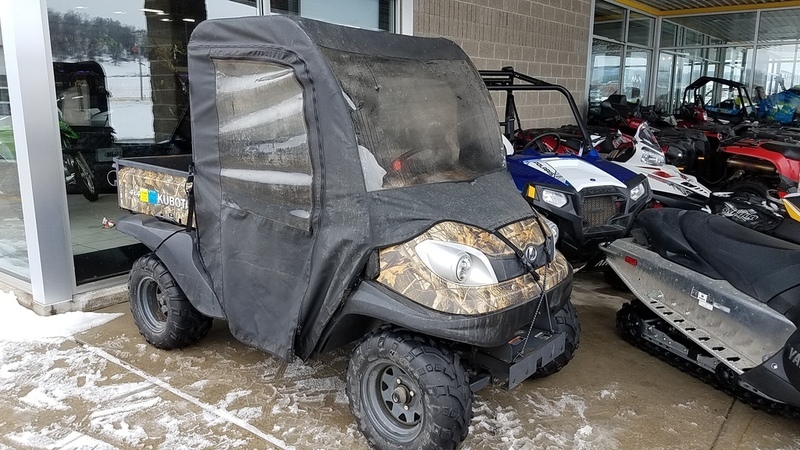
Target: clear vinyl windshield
{"x": 418, "y": 122}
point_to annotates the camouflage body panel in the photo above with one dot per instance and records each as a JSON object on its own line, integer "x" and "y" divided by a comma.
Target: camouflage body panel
{"x": 525, "y": 232}
{"x": 153, "y": 193}
{"x": 403, "y": 271}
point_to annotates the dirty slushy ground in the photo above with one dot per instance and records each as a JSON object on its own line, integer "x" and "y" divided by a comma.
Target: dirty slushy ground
{"x": 105, "y": 388}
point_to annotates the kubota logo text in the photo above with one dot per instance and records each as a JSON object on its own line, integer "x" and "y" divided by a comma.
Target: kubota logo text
{"x": 155, "y": 198}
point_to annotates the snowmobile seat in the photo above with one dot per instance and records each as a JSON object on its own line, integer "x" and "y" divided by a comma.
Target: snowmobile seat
{"x": 759, "y": 265}
{"x": 790, "y": 151}
{"x": 663, "y": 230}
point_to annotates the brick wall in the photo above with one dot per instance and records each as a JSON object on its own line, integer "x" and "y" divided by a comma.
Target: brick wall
{"x": 547, "y": 39}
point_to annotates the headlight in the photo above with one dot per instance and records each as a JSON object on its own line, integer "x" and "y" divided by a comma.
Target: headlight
{"x": 458, "y": 263}
{"x": 652, "y": 158}
{"x": 638, "y": 191}
{"x": 553, "y": 227}
{"x": 554, "y": 198}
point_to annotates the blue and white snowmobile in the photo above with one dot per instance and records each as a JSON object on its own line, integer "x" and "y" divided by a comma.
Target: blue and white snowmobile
{"x": 590, "y": 199}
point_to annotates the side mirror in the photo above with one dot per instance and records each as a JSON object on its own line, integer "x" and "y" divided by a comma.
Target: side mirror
{"x": 507, "y": 145}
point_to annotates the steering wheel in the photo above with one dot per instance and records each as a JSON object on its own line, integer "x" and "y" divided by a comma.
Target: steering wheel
{"x": 539, "y": 146}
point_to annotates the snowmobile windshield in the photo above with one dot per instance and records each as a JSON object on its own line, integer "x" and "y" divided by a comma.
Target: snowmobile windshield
{"x": 418, "y": 121}
{"x": 651, "y": 151}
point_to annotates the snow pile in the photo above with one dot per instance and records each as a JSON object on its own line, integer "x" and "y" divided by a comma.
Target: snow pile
{"x": 18, "y": 323}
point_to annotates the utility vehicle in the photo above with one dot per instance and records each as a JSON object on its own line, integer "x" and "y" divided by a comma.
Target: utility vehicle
{"x": 560, "y": 175}
{"x": 350, "y": 185}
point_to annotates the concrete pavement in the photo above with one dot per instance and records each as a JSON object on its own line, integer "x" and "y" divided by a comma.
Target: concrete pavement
{"x": 107, "y": 388}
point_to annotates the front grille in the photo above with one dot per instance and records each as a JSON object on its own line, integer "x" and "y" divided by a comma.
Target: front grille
{"x": 598, "y": 210}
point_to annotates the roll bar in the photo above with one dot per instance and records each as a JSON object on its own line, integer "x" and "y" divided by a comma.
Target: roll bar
{"x": 504, "y": 80}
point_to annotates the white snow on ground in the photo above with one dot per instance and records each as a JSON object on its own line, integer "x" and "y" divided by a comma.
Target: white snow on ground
{"x": 22, "y": 324}
{"x": 534, "y": 422}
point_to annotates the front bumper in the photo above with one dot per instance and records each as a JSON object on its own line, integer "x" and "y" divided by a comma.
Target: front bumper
{"x": 583, "y": 226}
{"x": 371, "y": 300}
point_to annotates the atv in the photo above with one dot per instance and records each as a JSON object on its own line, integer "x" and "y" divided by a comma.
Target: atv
{"x": 321, "y": 207}
{"x": 564, "y": 178}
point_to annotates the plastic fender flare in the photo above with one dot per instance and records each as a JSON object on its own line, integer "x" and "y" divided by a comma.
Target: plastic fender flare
{"x": 175, "y": 247}
{"x": 785, "y": 167}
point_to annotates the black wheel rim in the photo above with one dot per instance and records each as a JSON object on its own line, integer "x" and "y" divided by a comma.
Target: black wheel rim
{"x": 152, "y": 303}
{"x": 393, "y": 401}
{"x": 631, "y": 324}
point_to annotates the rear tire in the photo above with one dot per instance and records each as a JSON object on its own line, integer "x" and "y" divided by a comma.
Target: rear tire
{"x": 751, "y": 186}
{"x": 565, "y": 321}
{"x": 162, "y": 313}
{"x": 85, "y": 179}
{"x": 408, "y": 392}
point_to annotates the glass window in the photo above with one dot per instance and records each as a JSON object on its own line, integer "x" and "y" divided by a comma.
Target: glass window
{"x": 263, "y": 144}
{"x": 369, "y": 14}
{"x": 426, "y": 124}
{"x": 606, "y": 61}
{"x": 669, "y": 33}
{"x": 609, "y": 20}
{"x": 777, "y": 67}
{"x": 121, "y": 90}
{"x": 779, "y": 25}
{"x": 635, "y": 84}
{"x": 722, "y": 28}
{"x": 665, "y": 97}
{"x": 640, "y": 29}
{"x": 13, "y": 248}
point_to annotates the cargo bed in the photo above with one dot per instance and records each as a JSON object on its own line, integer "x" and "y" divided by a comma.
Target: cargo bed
{"x": 155, "y": 185}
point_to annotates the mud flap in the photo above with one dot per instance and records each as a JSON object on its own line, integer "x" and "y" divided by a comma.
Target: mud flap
{"x": 515, "y": 361}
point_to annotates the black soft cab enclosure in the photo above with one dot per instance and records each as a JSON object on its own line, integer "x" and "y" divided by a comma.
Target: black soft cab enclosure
{"x": 351, "y": 185}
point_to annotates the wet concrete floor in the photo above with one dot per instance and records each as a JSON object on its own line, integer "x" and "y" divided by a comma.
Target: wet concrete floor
{"x": 107, "y": 389}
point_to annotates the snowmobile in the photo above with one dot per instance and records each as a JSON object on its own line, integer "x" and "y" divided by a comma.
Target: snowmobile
{"x": 321, "y": 206}
{"x": 563, "y": 177}
{"x": 717, "y": 300}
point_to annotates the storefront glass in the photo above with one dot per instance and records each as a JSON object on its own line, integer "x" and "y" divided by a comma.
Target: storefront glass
{"x": 712, "y": 29}
{"x": 609, "y": 21}
{"x": 606, "y": 59}
{"x": 777, "y": 67}
{"x": 621, "y": 52}
{"x": 13, "y": 251}
{"x": 121, "y": 90}
{"x": 640, "y": 29}
{"x": 635, "y": 80}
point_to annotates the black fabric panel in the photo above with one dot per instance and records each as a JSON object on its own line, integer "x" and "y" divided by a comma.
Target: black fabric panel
{"x": 280, "y": 286}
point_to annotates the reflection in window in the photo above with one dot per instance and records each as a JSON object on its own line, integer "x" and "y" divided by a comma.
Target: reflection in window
{"x": 13, "y": 249}
{"x": 609, "y": 20}
{"x": 710, "y": 29}
{"x": 263, "y": 146}
{"x": 369, "y": 14}
{"x": 779, "y": 25}
{"x": 121, "y": 83}
{"x": 640, "y": 29}
{"x": 777, "y": 67}
{"x": 606, "y": 59}
{"x": 636, "y": 63}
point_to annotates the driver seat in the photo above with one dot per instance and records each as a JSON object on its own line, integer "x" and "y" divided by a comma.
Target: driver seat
{"x": 790, "y": 151}
{"x": 760, "y": 266}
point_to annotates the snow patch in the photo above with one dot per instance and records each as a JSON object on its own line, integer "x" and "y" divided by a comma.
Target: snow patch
{"x": 21, "y": 324}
